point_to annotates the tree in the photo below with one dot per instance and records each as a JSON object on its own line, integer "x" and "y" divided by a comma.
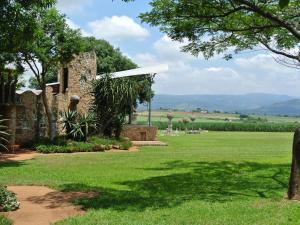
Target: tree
{"x": 213, "y": 27}
{"x": 114, "y": 98}
{"x": 109, "y": 59}
{"x": 17, "y": 23}
{"x": 52, "y": 45}
{"x": 50, "y": 77}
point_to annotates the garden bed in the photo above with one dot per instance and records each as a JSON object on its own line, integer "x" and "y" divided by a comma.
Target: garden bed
{"x": 93, "y": 144}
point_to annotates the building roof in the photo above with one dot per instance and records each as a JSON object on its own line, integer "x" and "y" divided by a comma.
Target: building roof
{"x": 36, "y": 92}
{"x": 140, "y": 71}
{"x": 51, "y": 84}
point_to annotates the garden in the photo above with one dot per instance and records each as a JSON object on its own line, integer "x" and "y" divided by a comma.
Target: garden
{"x": 242, "y": 177}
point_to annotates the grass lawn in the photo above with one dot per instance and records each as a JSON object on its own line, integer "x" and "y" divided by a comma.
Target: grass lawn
{"x": 211, "y": 178}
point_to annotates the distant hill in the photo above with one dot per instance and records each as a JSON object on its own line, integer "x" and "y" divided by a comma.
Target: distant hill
{"x": 290, "y": 108}
{"x": 225, "y": 103}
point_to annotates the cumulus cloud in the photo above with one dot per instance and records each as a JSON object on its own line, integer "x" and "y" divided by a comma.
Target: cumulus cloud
{"x": 117, "y": 28}
{"x": 75, "y": 26}
{"x": 171, "y": 50}
{"x": 189, "y": 75}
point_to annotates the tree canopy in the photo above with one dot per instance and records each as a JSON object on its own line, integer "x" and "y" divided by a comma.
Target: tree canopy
{"x": 18, "y": 21}
{"x": 213, "y": 27}
{"x": 109, "y": 58}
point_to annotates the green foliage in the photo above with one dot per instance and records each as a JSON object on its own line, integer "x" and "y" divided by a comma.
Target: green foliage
{"x": 114, "y": 99}
{"x": 4, "y": 221}
{"x": 93, "y": 144}
{"x": 8, "y": 200}
{"x": 18, "y": 22}
{"x": 214, "y": 27}
{"x": 229, "y": 126}
{"x": 4, "y": 135}
{"x": 78, "y": 126}
{"x": 284, "y": 3}
{"x": 109, "y": 58}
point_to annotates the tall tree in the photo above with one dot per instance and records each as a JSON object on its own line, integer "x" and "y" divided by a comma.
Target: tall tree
{"x": 109, "y": 58}
{"x": 213, "y": 27}
{"x": 17, "y": 22}
{"x": 53, "y": 44}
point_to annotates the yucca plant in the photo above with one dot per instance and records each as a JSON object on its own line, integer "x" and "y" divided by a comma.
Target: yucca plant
{"x": 87, "y": 123}
{"x": 68, "y": 119}
{"x": 3, "y": 134}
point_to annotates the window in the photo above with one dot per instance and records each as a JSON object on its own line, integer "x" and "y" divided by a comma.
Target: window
{"x": 66, "y": 79}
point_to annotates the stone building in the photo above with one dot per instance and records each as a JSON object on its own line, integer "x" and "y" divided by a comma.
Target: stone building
{"x": 25, "y": 110}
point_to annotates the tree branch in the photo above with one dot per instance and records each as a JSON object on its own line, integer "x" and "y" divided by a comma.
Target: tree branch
{"x": 272, "y": 17}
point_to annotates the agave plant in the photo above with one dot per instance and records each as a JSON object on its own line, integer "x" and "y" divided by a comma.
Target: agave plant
{"x": 87, "y": 123}
{"x": 3, "y": 134}
{"x": 68, "y": 119}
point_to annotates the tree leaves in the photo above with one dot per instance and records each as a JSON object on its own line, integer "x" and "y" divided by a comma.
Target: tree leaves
{"x": 283, "y": 3}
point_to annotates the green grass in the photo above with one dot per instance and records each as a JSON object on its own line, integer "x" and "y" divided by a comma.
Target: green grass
{"x": 214, "y": 178}
{"x": 4, "y": 221}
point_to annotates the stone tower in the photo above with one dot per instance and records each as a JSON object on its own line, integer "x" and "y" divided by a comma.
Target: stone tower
{"x": 75, "y": 83}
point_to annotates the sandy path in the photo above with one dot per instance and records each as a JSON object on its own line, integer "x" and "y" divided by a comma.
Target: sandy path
{"x": 42, "y": 205}
{"x": 18, "y": 156}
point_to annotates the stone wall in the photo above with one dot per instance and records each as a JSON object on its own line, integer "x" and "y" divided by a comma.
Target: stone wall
{"x": 30, "y": 120}
{"x": 139, "y": 132}
{"x": 82, "y": 70}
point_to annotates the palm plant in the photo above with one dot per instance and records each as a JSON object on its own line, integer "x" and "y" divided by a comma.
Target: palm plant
{"x": 3, "y": 134}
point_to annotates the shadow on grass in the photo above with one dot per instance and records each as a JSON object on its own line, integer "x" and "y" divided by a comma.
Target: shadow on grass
{"x": 11, "y": 163}
{"x": 206, "y": 181}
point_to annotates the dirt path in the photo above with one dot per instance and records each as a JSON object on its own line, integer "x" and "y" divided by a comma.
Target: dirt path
{"x": 18, "y": 156}
{"x": 28, "y": 154}
{"x": 42, "y": 205}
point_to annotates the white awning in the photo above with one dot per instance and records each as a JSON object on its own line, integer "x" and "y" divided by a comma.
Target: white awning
{"x": 140, "y": 71}
{"x": 36, "y": 92}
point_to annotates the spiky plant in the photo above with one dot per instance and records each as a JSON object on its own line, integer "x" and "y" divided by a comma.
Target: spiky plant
{"x": 3, "y": 134}
{"x": 87, "y": 123}
{"x": 68, "y": 119}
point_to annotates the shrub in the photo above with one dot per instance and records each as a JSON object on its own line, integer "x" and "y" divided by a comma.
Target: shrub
{"x": 4, "y": 221}
{"x": 46, "y": 149}
{"x": 8, "y": 200}
{"x": 125, "y": 145}
{"x": 94, "y": 144}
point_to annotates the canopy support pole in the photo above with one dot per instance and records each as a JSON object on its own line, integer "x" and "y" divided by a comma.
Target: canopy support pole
{"x": 151, "y": 78}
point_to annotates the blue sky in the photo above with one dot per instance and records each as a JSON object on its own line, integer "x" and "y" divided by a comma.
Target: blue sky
{"x": 118, "y": 22}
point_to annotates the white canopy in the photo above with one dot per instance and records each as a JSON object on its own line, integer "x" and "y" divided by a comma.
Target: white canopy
{"x": 140, "y": 71}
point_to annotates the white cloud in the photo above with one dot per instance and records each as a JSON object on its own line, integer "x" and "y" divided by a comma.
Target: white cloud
{"x": 75, "y": 26}
{"x": 171, "y": 50}
{"x": 117, "y": 28}
{"x": 189, "y": 75}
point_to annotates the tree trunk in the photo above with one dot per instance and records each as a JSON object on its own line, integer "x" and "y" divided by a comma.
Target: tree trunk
{"x": 294, "y": 184}
{"x": 48, "y": 113}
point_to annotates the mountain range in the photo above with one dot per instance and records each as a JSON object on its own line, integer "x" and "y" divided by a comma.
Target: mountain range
{"x": 256, "y": 103}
